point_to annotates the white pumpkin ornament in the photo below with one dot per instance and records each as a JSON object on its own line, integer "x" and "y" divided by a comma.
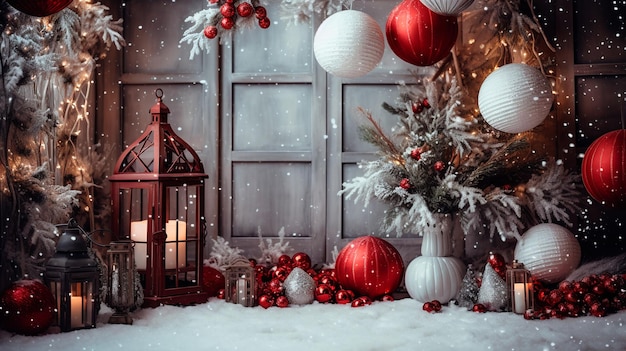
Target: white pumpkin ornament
{"x": 447, "y": 7}
{"x": 515, "y": 98}
{"x": 349, "y": 44}
{"x": 435, "y": 275}
{"x": 549, "y": 251}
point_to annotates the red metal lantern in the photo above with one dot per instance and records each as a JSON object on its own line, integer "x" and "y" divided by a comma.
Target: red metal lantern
{"x": 158, "y": 202}
{"x": 39, "y": 8}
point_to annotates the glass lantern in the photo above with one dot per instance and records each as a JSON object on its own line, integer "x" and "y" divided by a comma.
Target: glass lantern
{"x": 519, "y": 288}
{"x": 157, "y": 196}
{"x": 121, "y": 292}
{"x": 240, "y": 283}
{"x": 73, "y": 278}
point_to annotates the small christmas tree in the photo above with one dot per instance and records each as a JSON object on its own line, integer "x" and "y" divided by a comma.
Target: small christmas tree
{"x": 492, "y": 293}
{"x": 468, "y": 293}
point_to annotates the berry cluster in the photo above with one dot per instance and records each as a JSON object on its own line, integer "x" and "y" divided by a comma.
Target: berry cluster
{"x": 595, "y": 295}
{"x": 418, "y": 106}
{"x": 229, "y": 11}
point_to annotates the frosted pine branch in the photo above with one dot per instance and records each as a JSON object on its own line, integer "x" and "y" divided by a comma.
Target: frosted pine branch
{"x": 194, "y": 35}
{"x": 222, "y": 254}
{"x": 271, "y": 251}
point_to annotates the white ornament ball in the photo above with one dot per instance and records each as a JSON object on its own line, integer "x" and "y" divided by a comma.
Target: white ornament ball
{"x": 515, "y": 98}
{"x": 349, "y": 44}
{"x": 434, "y": 278}
{"x": 549, "y": 251}
{"x": 447, "y": 7}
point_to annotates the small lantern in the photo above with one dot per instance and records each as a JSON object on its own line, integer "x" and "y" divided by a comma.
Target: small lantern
{"x": 519, "y": 288}
{"x": 157, "y": 190}
{"x": 121, "y": 292}
{"x": 73, "y": 278}
{"x": 240, "y": 283}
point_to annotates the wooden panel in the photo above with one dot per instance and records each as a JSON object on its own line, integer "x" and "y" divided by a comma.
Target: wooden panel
{"x": 599, "y": 31}
{"x": 274, "y": 117}
{"x": 153, "y": 31}
{"x": 270, "y": 196}
{"x": 282, "y": 47}
{"x": 370, "y": 98}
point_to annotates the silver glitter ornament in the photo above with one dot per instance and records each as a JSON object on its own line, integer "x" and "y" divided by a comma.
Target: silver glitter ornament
{"x": 299, "y": 287}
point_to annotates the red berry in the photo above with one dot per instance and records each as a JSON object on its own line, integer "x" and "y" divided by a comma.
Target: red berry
{"x": 282, "y": 301}
{"x": 227, "y": 10}
{"x": 581, "y": 287}
{"x": 227, "y": 23}
{"x": 245, "y": 9}
{"x": 428, "y": 307}
{"x": 417, "y": 107}
{"x": 425, "y": 103}
{"x": 416, "y": 154}
{"x": 436, "y": 305}
{"x": 555, "y": 297}
{"x": 479, "y": 308}
{"x": 590, "y": 298}
{"x": 439, "y": 166}
{"x": 566, "y": 286}
{"x": 265, "y": 23}
{"x": 210, "y": 31}
{"x": 573, "y": 297}
{"x": 597, "y": 310}
{"x": 405, "y": 183}
{"x": 361, "y": 301}
{"x": 260, "y": 12}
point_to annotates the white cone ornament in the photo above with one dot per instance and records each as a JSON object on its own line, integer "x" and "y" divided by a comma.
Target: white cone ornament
{"x": 515, "y": 98}
{"x": 447, "y": 7}
{"x": 349, "y": 44}
{"x": 299, "y": 287}
{"x": 549, "y": 251}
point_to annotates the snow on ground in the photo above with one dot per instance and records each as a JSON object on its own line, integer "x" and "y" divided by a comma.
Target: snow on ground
{"x": 382, "y": 326}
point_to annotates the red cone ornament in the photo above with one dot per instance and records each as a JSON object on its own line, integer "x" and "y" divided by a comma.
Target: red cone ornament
{"x": 39, "y": 8}
{"x": 27, "y": 307}
{"x": 369, "y": 266}
{"x": 418, "y": 35}
{"x": 604, "y": 169}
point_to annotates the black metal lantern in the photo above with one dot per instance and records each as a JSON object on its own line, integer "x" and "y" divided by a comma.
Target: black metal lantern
{"x": 157, "y": 191}
{"x": 519, "y": 288}
{"x": 73, "y": 278}
{"x": 121, "y": 291}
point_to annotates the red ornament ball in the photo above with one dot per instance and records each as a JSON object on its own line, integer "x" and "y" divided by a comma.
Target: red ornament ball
{"x": 282, "y": 301}
{"x": 260, "y": 12}
{"x": 604, "y": 169}
{"x": 405, "y": 183}
{"x": 369, "y": 266}
{"x": 428, "y": 307}
{"x": 245, "y": 9}
{"x": 210, "y": 31}
{"x": 39, "y": 8}
{"x": 361, "y": 301}
{"x": 418, "y": 35}
{"x": 301, "y": 260}
{"x": 27, "y": 307}
{"x": 212, "y": 280}
{"x": 284, "y": 260}
{"x": 266, "y": 301}
{"x": 496, "y": 261}
{"x": 323, "y": 293}
{"x": 227, "y": 23}
{"x": 439, "y": 166}
{"x": 343, "y": 297}
{"x": 265, "y": 23}
{"x": 479, "y": 308}
{"x": 416, "y": 154}
{"x": 227, "y": 10}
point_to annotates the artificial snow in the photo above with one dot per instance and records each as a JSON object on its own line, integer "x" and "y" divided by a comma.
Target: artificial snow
{"x": 384, "y": 326}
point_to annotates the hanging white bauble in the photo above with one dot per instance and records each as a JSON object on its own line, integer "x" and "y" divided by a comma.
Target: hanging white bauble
{"x": 515, "y": 98}
{"x": 447, "y": 7}
{"x": 434, "y": 278}
{"x": 349, "y": 44}
{"x": 549, "y": 251}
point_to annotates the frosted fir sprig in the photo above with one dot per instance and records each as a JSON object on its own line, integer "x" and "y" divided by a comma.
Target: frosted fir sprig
{"x": 299, "y": 11}
{"x": 222, "y": 254}
{"x": 271, "y": 251}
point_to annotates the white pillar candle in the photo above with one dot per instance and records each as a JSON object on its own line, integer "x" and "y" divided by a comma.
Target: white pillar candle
{"x": 519, "y": 296}
{"x": 76, "y": 311}
{"x": 173, "y": 229}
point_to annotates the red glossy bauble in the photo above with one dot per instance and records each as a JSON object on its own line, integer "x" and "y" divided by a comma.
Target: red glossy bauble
{"x": 387, "y": 298}
{"x": 428, "y": 307}
{"x": 227, "y": 10}
{"x": 361, "y": 301}
{"x": 343, "y": 297}
{"x": 323, "y": 293}
{"x": 265, "y": 23}
{"x": 210, "y": 32}
{"x": 479, "y": 308}
{"x": 418, "y": 35}
{"x": 284, "y": 260}
{"x": 282, "y": 301}
{"x": 604, "y": 169}
{"x": 301, "y": 260}
{"x": 369, "y": 266}
{"x": 27, "y": 307}
{"x": 212, "y": 280}
{"x": 281, "y": 272}
{"x": 275, "y": 286}
{"x": 260, "y": 12}
{"x": 221, "y": 294}
{"x": 496, "y": 260}
{"x": 227, "y": 22}
{"x": 39, "y": 8}
{"x": 266, "y": 301}
{"x": 245, "y": 9}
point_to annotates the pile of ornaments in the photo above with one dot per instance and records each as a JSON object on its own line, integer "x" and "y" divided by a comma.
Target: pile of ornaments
{"x": 596, "y": 295}
{"x": 229, "y": 12}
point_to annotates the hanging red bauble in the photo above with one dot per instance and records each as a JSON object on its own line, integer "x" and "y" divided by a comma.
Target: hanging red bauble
{"x": 245, "y": 9}
{"x": 369, "y": 266}
{"x": 604, "y": 169}
{"x": 418, "y": 35}
{"x": 265, "y": 23}
{"x": 212, "y": 280}
{"x": 210, "y": 31}
{"x": 39, "y": 8}
{"x": 27, "y": 307}
{"x": 227, "y": 10}
{"x": 227, "y": 22}
{"x": 260, "y": 12}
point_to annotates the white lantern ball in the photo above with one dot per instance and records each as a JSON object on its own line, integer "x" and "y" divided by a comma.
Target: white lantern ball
{"x": 447, "y": 7}
{"x": 349, "y": 44}
{"x": 434, "y": 278}
{"x": 515, "y": 98}
{"x": 549, "y": 251}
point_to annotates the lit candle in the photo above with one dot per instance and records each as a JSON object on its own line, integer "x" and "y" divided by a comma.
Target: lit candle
{"x": 519, "y": 296}
{"x": 175, "y": 230}
{"x": 242, "y": 290}
{"x": 76, "y": 311}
